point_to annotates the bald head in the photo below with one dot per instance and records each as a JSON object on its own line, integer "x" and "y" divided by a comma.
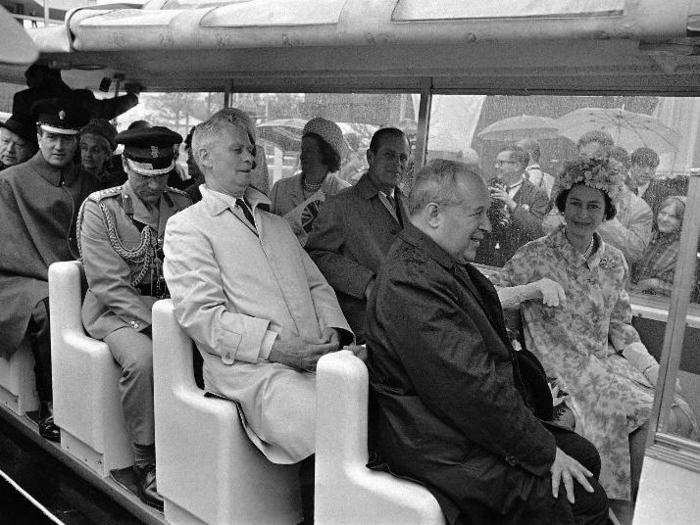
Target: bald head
{"x": 448, "y": 203}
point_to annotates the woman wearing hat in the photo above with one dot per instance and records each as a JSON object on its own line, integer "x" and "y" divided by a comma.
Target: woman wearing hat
{"x": 297, "y": 198}
{"x": 579, "y": 326}
{"x": 97, "y": 144}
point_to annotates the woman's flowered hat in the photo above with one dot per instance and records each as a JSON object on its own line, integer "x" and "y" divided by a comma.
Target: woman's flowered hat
{"x": 602, "y": 175}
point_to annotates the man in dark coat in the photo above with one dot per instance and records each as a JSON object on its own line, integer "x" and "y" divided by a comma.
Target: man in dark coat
{"x": 356, "y": 227}
{"x": 454, "y": 406}
{"x": 517, "y": 208}
{"x": 39, "y": 202}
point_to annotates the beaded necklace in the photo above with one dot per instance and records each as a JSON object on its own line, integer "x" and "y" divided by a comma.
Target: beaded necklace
{"x": 310, "y": 188}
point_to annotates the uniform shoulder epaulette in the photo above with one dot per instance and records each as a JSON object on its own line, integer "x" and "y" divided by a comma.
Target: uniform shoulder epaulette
{"x": 103, "y": 194}
{"x": 179, "y": 192}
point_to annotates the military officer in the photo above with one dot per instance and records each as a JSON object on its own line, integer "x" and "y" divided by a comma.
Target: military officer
{"x": 120, "y": 240}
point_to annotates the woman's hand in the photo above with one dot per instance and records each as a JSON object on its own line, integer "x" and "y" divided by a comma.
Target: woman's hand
{"x": 551, "y": 292}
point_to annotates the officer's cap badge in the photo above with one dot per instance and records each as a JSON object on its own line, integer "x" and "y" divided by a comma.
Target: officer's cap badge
{"x": 62, "y": 115}
{"x": 154, "y": 152}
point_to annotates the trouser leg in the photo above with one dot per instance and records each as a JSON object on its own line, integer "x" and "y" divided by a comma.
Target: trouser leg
{"x": 40, "y": 343}
{"x": 133, "y": 351}
{"x": 306, "y": 484}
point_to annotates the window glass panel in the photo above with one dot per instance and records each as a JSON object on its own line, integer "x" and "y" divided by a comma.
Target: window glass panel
{"x": 654, "y": 144}
{"x": 280, "y": 118}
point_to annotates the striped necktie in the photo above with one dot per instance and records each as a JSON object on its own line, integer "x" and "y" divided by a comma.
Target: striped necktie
{"x": 245, "y": 207}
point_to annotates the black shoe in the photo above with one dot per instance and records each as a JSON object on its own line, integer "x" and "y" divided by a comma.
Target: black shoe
{"x": 146, "y": 483}
{"x": 49, "y": 430}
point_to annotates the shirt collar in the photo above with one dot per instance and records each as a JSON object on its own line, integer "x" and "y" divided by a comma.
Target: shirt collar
{"x": 641, "y": 189}
{"x": 217, "y": 202}
{"x": 139, "y": 210}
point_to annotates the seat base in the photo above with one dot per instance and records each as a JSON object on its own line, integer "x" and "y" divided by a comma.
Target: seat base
{"x": 81, "y": 451}
{"x": 175, "y": 515}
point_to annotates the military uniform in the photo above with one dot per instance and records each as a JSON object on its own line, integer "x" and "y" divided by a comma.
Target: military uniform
{"x": 120, "y": 240}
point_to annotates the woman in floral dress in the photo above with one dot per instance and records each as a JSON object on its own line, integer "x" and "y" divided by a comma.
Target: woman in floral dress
{"x": 576, "y": 316}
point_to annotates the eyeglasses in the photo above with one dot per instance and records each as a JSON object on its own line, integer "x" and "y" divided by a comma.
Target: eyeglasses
{"x": 502, "y": 162}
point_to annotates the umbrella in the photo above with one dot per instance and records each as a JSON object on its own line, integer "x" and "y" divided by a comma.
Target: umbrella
{"x": 284, "y": 133}
{"x": 522, "y": 127}
{"x": 629, "y": 130}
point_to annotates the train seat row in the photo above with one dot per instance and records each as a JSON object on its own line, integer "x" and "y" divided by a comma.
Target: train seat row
{"x": 17, "y": 384}
{"x": 208, "y": 471}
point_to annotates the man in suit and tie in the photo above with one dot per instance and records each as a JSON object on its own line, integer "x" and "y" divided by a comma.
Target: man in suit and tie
{"x": 356, "y": 227}
{"x": 516, "y": 211}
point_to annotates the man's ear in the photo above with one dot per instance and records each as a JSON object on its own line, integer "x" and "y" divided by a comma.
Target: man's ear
{"x": 202, "y": 158}
{"x": 370, "y": 157}
{"x": 432, "y": 215}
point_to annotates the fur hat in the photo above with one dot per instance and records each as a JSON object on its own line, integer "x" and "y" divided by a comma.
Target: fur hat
{"x": 328, "y": 131}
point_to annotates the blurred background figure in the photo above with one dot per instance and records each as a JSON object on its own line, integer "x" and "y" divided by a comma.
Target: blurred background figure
{"x": 299, "y": 197}
{"x": 630, "y": 229}
{"x": 195, "y": 175}
{"x": 533, "y": 171}
{"x": 643, "y": 182}
{"x": 653, "y": 274}
{"x": 17, "y": 141}
{"x": 516, "y": 210}
{"x": 97, "y": 145}
{"x": 354, "y": 163}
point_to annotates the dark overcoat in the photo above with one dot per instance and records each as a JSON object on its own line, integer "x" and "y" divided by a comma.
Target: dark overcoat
{"x": 38, "y": 208}
{"x": 349, "y": 241}
{"x": 452, "y": 404}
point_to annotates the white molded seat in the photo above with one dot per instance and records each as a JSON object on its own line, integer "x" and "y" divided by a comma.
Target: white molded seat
{"x": 17, "y": 381}
{"x": 346, "y": 490}
{"x": 86, "y": 400}
{"x": 207, "y": 469}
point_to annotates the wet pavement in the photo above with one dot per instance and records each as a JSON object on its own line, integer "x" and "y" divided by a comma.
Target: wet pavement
{"x": 67, "y": 496}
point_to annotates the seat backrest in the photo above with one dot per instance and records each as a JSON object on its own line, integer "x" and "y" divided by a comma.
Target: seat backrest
{"x": 65, "y": 297}
{"x": 342, "y": 387}
{"x": 179, "y": 369}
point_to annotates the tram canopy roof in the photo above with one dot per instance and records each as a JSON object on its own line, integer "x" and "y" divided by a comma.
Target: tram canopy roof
{"x": 368, "y": 45}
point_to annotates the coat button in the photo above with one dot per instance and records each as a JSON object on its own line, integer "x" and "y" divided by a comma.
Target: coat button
{"x": 511, "y": 460}
{"x": 226, "y": 358}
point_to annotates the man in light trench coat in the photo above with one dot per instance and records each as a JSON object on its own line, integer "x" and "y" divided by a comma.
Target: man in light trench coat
{"x": 257, "y": 307}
